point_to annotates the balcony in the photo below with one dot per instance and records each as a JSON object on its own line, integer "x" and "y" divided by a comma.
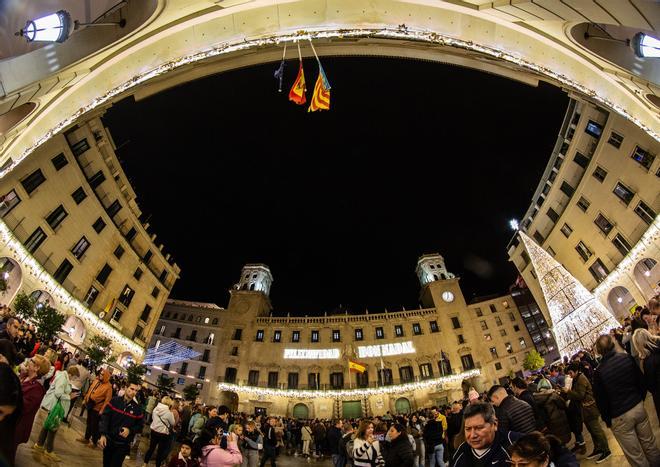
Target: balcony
{"x": 192, "y": 338}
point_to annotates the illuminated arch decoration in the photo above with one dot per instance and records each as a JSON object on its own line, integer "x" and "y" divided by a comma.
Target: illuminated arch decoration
{"x": 578, "y": 318}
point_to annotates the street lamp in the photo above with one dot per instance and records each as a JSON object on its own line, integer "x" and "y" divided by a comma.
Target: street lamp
{"x": 646, "y": 46}
{"x": 50, "y": 28}
{"x": 513, "y": 223}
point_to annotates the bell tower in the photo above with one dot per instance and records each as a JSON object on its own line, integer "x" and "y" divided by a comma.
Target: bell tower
{"x": 432, "y": 268}
{"x": 252, "y": 292}
{"x": 440, "y": 287}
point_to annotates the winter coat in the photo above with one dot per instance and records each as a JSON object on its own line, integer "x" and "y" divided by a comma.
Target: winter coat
{"x": 119, "y": 414}
{"x": 527, "y": 396}
{"x": 618, "y": 385}
{"x": 552, "y": 409}
{"x": 59, "y": 389}
{"x": 399, "y": 452}
{"x": 306, "y": 433}
{"x": 651, "y": 365}
{"x": 214, "y": 456}
{"x": 366, "y": 455}
{"x": 334, "y": 436}
{"x": 319, "y": 432}
{"x": 515, "y": 415}
{"x": 197, "y": 422}
{"x": 433, "y": 433}
{"x": 100, "y": 392}
{"x": 582, "y": 392}
{"x": 33, "y": 394}
{"x": 162, "y": 419}
{"x": 178, "y": 460}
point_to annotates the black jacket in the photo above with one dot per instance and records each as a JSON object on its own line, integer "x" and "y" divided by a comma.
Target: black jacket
{"x": 497, "y": 455}
{"x": 270, "y": 437}
{"x": 515, "y": 415}
{"x": 399, "y": 452}
{"x": 433, "y": 434}
{"x": 333, "y": 437}
{"x": 652, "y": 372}
{"x": 618, "y": 385}
{"x": 120, "y": 414}
{"x": 527, "y": 396}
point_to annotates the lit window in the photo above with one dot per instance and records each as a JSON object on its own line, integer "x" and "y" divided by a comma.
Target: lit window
{"x": 598, "y": 270}
{"x": 379, "y": 333}
{"x": 358, "y": 335}
{"x": 624, "y": 193}
{"x": 603, "y": 224}
{"x": 509, "y": 347}
{"x": 643, "y": 157}
{"x": 615, "y": 140}
{"x": 583, "y": 203}
{"x": 126, "y": 296}
{"x": 398, "y": 330}
{"x": 523, "y": 344}
{"x": 566, "y": 230}
{"x": 488, "y": 337}
{"x": 80, "y": 248}
{"x": 277, "y": 336}
{"x": 645, "y": 212}
{"x": 434, "y": 326}
{"x": 336, "y": 336}
{"x": 583, "y": 251}
{"x": 417, "y": 329}
{"x": 260, "y": 335}
{"x": 295, "y": 336}
{"x": 206, "y": 320}
{"x": 315, "y": 336}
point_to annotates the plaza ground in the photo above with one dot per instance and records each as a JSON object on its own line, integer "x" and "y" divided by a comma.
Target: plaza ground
{"x": 75, "y": 454}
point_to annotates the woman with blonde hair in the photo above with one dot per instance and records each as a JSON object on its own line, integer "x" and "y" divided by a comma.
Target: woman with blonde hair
{"x": 162, "y": 426}
{"x": 647, "y": 347}
{"x": 366, "y": 449}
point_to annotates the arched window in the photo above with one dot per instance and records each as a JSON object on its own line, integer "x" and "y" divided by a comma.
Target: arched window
{"x": 252, "y": 286}
{"x": 190, "y": 317}
{"x": 443, "y": 276}
{"x": 176, "y": 316}
{"x": 435, "y": 277}
{"x": 209, "y": 340}
{"x": 215, "y": 321}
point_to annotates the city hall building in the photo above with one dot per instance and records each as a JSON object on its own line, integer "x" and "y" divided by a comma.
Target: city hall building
{"x": 299, "y": 365}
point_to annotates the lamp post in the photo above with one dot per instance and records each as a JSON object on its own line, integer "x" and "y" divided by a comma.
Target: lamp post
{"x": 646, "y": 46}
{"x": 57, "y": 27}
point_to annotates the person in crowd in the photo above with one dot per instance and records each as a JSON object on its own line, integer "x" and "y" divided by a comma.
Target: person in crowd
{"x": 346, "y": 443}
{"x": 454, "y": 426}
{"x": 552, "y": 409}
{"x": 319, "y": 432}
{"x": 197, "y": 421}
{"x": 485, "y": 444}
{"x": 520, "y": 390}
{"x": 219, "y": 419}
{"x": 33, "y": 394}
{"x": 557, "y": 376}
{"x": 152, "y": 401}
{"x": 397, "y": 450}
{"x": 10, "y": 334}
{"x": 434, "y": 433}
{"x": 512, "y": 414}
{"x": 121, "y": 420}
{"x": 619, "y": 390}
{"x": 183, "y": 458}
{"x": 536, "y": 450}
{"x": 212, "y": 455}
{"x": 333, "y": 437}
{"x": 252, "y": 444}
{"x": 59, "y": 391}
{"x": 270, "y": 442}
{"x": 78, "y": 384}
{"x": 97, "y": 397}
{"x": 11, "y": 406}
{"x": 366, "y": 448}
{"x": 186, "y": 414}
{"x": 414, "y": 430}
{"x": 648, "y": 349}
{"x": 162, "y": 425}
{"x": 306, "y": 437}
{"x": 582, "y": 392}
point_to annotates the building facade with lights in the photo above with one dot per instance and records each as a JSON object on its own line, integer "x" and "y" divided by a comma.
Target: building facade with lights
{"x": 72, "y": 236}
{"x": 299, "y": 365}
{"x": 595, "y": 209}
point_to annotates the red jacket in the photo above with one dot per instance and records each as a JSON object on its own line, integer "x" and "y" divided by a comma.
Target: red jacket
{"x": 33, "y": 393}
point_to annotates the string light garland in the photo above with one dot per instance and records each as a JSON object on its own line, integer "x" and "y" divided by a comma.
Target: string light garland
{"x": 401, "y": 33}
{"x": 348, "y": 393}
{"x": 578, "y": 318}
{"x": 168, "y": 353}
{"x": 68, "y": 303}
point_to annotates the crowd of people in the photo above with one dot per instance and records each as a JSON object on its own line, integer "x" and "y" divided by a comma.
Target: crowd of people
{"x": 535, "y": 421}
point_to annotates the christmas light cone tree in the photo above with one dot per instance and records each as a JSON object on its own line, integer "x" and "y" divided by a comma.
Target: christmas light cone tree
{"x": 578, "y": 318}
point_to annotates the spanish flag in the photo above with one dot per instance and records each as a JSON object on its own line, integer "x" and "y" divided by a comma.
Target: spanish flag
{"x": 357, "y": 367}
{"x": 321, "y": 97}
{"x": 111, "y": 304}
{"x": 299, "y": 88}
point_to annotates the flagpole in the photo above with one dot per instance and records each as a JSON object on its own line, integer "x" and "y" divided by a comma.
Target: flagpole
{"x": 314, "y": 50}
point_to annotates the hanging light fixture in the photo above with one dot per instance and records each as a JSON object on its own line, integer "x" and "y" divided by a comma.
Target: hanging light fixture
{"x": 50, "y": 28}
{"x": 646, "y": 46}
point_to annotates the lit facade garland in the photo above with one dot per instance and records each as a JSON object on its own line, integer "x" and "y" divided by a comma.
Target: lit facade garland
{"x": 29, "y": 265}
{"x": 348, "y": 393}
{"x": 400, "y": 33}
{"x": 578, "y": 318}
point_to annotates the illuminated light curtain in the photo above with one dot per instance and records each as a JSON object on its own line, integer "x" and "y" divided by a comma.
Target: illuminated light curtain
{"x": 578, "y": 318}
{"x": 169, "y": 352}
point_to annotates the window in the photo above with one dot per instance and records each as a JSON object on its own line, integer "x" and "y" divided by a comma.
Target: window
{"x": 238, "y": 334}
{"x": 8, "y": 202}
{"x": 137, "y": 334}
{"x": 315, "y": 336}
{"x": 206, "y": 355}
{"x": 147, "y": 256}
{"x": 79, "y": 147}
{"x": 479, "y": 312}
{"x": 126, "y": 296}
{"x": 162, "y": 330}
{"x": 230, "y": 375}
{"x": 624, "y": 193}
{"x": 130, "y": 235}
{"x": 63, "y": 271}
{"x": 99, "y": 225}
{"x": 114, "y": 208}
{"x": 336, "y": 335}
{"x": 484, "y": 325}
{"x": 379, "y": 333}
{"x": 509, "y": 347}
{"x": 426, "y": 371}
{"x": 583, "y": 203}
{"x": 488, "y": 337}
{"x": 79, "y": 195}
{"x": 292, "y": 381}
{"x": 581, "y": 160}
{"x": 502, "y": 332}
{"x": 645, "y": 212}
{"x": 461, "y": 339}
{"x": 642, "y": 157}
{"x": 234, "y": 351}
{"x": 34, "y": 240}
{"x": 566, "y": 230}
{"x": 492, "y": 307}
{"x": 32, "y": 181}
{"x": 583, "y": 251}
{"x": 337, "y": 380}
{"x": 498, "y": 321}
{"x": 273, "y": 376}
{"x": 567, "y": 189}
{"x": 538, "y": 237}
{"x": 598, "y": 270}
{"x": 522, "y": 342}
{"x": 59, "y": 161}
{"x": 96, "y": 179}
{"x": 138, "y": 274}
{"x": 146, "y": 312}
{"x": 552, "y": 214}
{"x": 621, "y": 244}
{"x": 80, "y": 248}
{"x": 455, "y": 322}
{"x": 295, "y": 336}
{"x": 358, "y": 335}
{"x": 498, "y": 366}
{"x": 398, "y": 330}
{"x": 202, "y": 372}
{"x": 119, "y": 252}
{"x": 467, "y": 362}
{"x": 406, "y": 374}
{"x": 599, "y": 174}
{"x": 277, "y": 336}
{"x": 155, "y": 292}
{"x": 102, "y": 276}
{"x": 90, "y": 296}
{"x": 594, "y": 129}
{"x": 513, "y": 360}
{"x": 56, "y": 217}
{"x": 260, "y": 335}
{"x": 603, "y": 224}
{"x": 511, "y": 317}
{"x": 615, "y": 140}
{"x": 417, "y": 329}
{"x": 516, "y": 328}
{"x": 434, "y": 326}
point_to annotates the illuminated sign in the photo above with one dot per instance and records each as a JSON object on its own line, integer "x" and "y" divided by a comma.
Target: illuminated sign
{"x": 385, "y": 350}
{"x": 311, "y": 354}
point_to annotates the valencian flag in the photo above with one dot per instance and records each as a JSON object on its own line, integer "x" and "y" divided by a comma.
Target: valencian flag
{"x": 357, "y": 367}
{"x": 299, "y": 88}
{"x": 321, "y": 96}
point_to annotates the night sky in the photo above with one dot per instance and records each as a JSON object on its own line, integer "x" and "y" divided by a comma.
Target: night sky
{"x": 414, "y": 157}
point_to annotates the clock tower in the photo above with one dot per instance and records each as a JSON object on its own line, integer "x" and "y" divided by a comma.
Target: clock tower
{"x": 251, "y": 294}
{"x": 440, "y": 287}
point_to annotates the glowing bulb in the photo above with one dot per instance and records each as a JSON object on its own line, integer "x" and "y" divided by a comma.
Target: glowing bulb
{"x": 513, "y": 224}
{"x": 647, "y": 273}
{"x": 619, "y": 299}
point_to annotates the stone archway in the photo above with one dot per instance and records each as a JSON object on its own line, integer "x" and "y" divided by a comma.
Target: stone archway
{"x": 402, "y": 405}
{"x": 10, "y": 280}
{"x": 647, "y": 276}
{"x": 230, "y": 399}
{"x": 41, "y": 296}
{"x": 300, "y": 411}
{"x": 125, "y": 359}
{"x": 621, "y": 302}
{"x": 75, "y": 329}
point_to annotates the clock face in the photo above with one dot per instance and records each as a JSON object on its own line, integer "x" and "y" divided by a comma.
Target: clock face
{"x": 448, "y": 296}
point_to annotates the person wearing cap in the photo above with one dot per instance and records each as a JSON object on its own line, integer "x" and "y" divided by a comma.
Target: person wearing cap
{"x": 397, "y": 449}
